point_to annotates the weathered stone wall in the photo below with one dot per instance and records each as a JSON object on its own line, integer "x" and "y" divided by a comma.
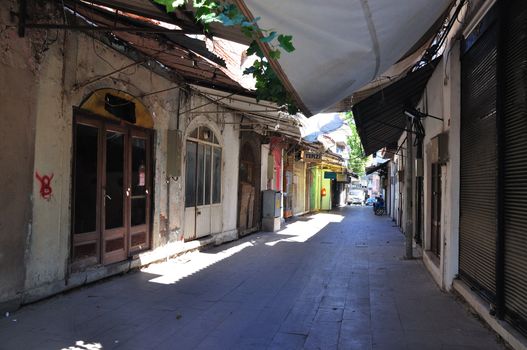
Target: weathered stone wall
{"x": 41, "y": 88}
{"x": 17, "y": 128}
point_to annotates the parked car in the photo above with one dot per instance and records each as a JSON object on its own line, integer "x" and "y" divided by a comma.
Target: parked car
{"x": 355, "y": 196}
{"x": 371, "y": 201}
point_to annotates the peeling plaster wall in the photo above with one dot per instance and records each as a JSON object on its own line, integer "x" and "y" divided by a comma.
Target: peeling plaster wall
{"x": 86, "y": 59}
{"x": 40, "y": 89}
{"x": 17, "y": 128}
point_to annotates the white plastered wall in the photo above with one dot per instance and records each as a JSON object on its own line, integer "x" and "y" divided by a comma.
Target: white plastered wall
{"x": 85, "y": 59}
{"x": 264, "y": 179}
{"x": 50, "y": 238}
{"x": 432, "y": 104}
{"x": 443, "y": 99}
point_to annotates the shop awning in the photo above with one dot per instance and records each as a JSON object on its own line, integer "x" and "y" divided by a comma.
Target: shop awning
{"x": 372, "y": 169}
{"x": 380, "y": 119}
{"x": 341, "y": 45}
{"x": 259, "y": 115}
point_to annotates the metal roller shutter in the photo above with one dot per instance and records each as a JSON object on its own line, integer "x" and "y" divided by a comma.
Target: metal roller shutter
{"x": 515, "y": 163}
{"x": 477, "y": 226}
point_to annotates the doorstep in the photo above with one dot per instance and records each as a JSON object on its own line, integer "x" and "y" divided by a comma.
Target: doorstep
{"x": 505, "y": 330}
{"x": 98, "y": 273}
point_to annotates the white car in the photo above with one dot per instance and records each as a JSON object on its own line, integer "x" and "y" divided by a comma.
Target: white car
{"x": 356, "y": 197}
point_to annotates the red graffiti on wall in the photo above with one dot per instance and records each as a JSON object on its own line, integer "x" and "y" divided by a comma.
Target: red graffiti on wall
{"x": 45, "y": 185}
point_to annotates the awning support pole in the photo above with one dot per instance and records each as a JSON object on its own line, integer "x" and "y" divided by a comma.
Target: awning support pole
{"x": 408, "y": 187}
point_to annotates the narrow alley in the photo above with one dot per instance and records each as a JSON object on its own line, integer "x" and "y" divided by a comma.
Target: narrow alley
{"x": 329, "y": 280}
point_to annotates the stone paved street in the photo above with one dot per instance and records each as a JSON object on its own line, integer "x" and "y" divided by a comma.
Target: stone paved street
{"x": 327, "y": 281}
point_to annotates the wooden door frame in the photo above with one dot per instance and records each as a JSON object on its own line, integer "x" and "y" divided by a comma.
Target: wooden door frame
{"x": 119, "y": 231}
{"x": 147, "y": 135}
{"x": 254, "y": 143}
{"x": 84, "y": 117}
{"x": 95, "y": 236}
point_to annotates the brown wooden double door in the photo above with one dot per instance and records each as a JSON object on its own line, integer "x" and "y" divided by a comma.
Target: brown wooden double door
{"x": 111, "y": 191}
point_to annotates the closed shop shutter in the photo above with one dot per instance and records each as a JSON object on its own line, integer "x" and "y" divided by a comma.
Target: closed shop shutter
{"x": 477, "y": 226}
{"x": 515, "y": 162}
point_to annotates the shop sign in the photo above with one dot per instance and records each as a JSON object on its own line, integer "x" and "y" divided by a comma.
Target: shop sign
{"x": 342, "y": 178}
{"x": 330, "y": 175}
{"x": 312, "y": 157}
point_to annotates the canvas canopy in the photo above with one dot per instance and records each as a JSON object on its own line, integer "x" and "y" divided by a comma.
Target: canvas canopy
{"x": 341, "y": 45}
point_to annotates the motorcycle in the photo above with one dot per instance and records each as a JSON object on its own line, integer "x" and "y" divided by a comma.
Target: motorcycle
{"x": 379, "y": 209}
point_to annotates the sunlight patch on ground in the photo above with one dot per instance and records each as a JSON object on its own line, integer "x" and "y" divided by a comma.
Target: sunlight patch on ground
{"x": 81, "y": 345}
{"x": 177, "y": 269}
{"x": 302, "y": 231}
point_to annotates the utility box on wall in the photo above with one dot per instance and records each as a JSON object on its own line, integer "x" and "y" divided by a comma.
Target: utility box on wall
{"x": 174, "y": 151}
{"x": 271, "y": 210}
{"x": 271, "y": 204}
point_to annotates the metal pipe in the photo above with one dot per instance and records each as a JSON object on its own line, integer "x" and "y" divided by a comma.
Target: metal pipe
{"x": 500, "y": 145}
{"x": 235, "y": 109}
{"x": 277, "y": 109}
{"x": 102, "y": 29}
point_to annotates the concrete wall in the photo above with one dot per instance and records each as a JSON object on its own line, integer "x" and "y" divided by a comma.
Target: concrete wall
{"x": 39, "y": 90}
{"x": 442, "y": 99}
{"x": 432, "y": 103}
{"x": 265, "y": 181}
{"x": 57, "y": 95}
{"x": 18, "y": 69}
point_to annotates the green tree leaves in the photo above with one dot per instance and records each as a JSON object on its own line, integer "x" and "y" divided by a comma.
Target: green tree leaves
{"x": 268, "y": 85}
{"x": 357, "y": 162}
{"x": 286, "y": 42}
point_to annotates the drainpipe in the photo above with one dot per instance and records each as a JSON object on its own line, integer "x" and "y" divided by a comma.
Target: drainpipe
{"x": 408, "y": 188}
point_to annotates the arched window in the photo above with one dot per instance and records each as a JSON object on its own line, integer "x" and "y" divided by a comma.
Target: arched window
{"x": 203, "y": 168}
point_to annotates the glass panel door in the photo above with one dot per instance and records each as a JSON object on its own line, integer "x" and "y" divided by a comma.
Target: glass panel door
{"x": 139, "y": 191}
{"x": 114, "y": 243}
{"x": 85, "y": 241}
{"x": 111, "y": 192}
{"x": 190, "y": 190}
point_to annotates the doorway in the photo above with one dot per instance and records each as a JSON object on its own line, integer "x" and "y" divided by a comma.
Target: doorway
{"x": 111, "y": 190}
{"x": 203, "y": 209}
{"x": 435, "y": 233}
{"x": 249, "y": 184}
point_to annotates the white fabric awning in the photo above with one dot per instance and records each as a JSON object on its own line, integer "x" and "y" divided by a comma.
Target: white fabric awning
{"x": 341, "y": 45}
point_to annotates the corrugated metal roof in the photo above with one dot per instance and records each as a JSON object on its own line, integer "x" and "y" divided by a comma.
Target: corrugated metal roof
{"x": 184, "y": 18}
{"x": 379, "y": 118}
{"x": 194, "y": 64}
